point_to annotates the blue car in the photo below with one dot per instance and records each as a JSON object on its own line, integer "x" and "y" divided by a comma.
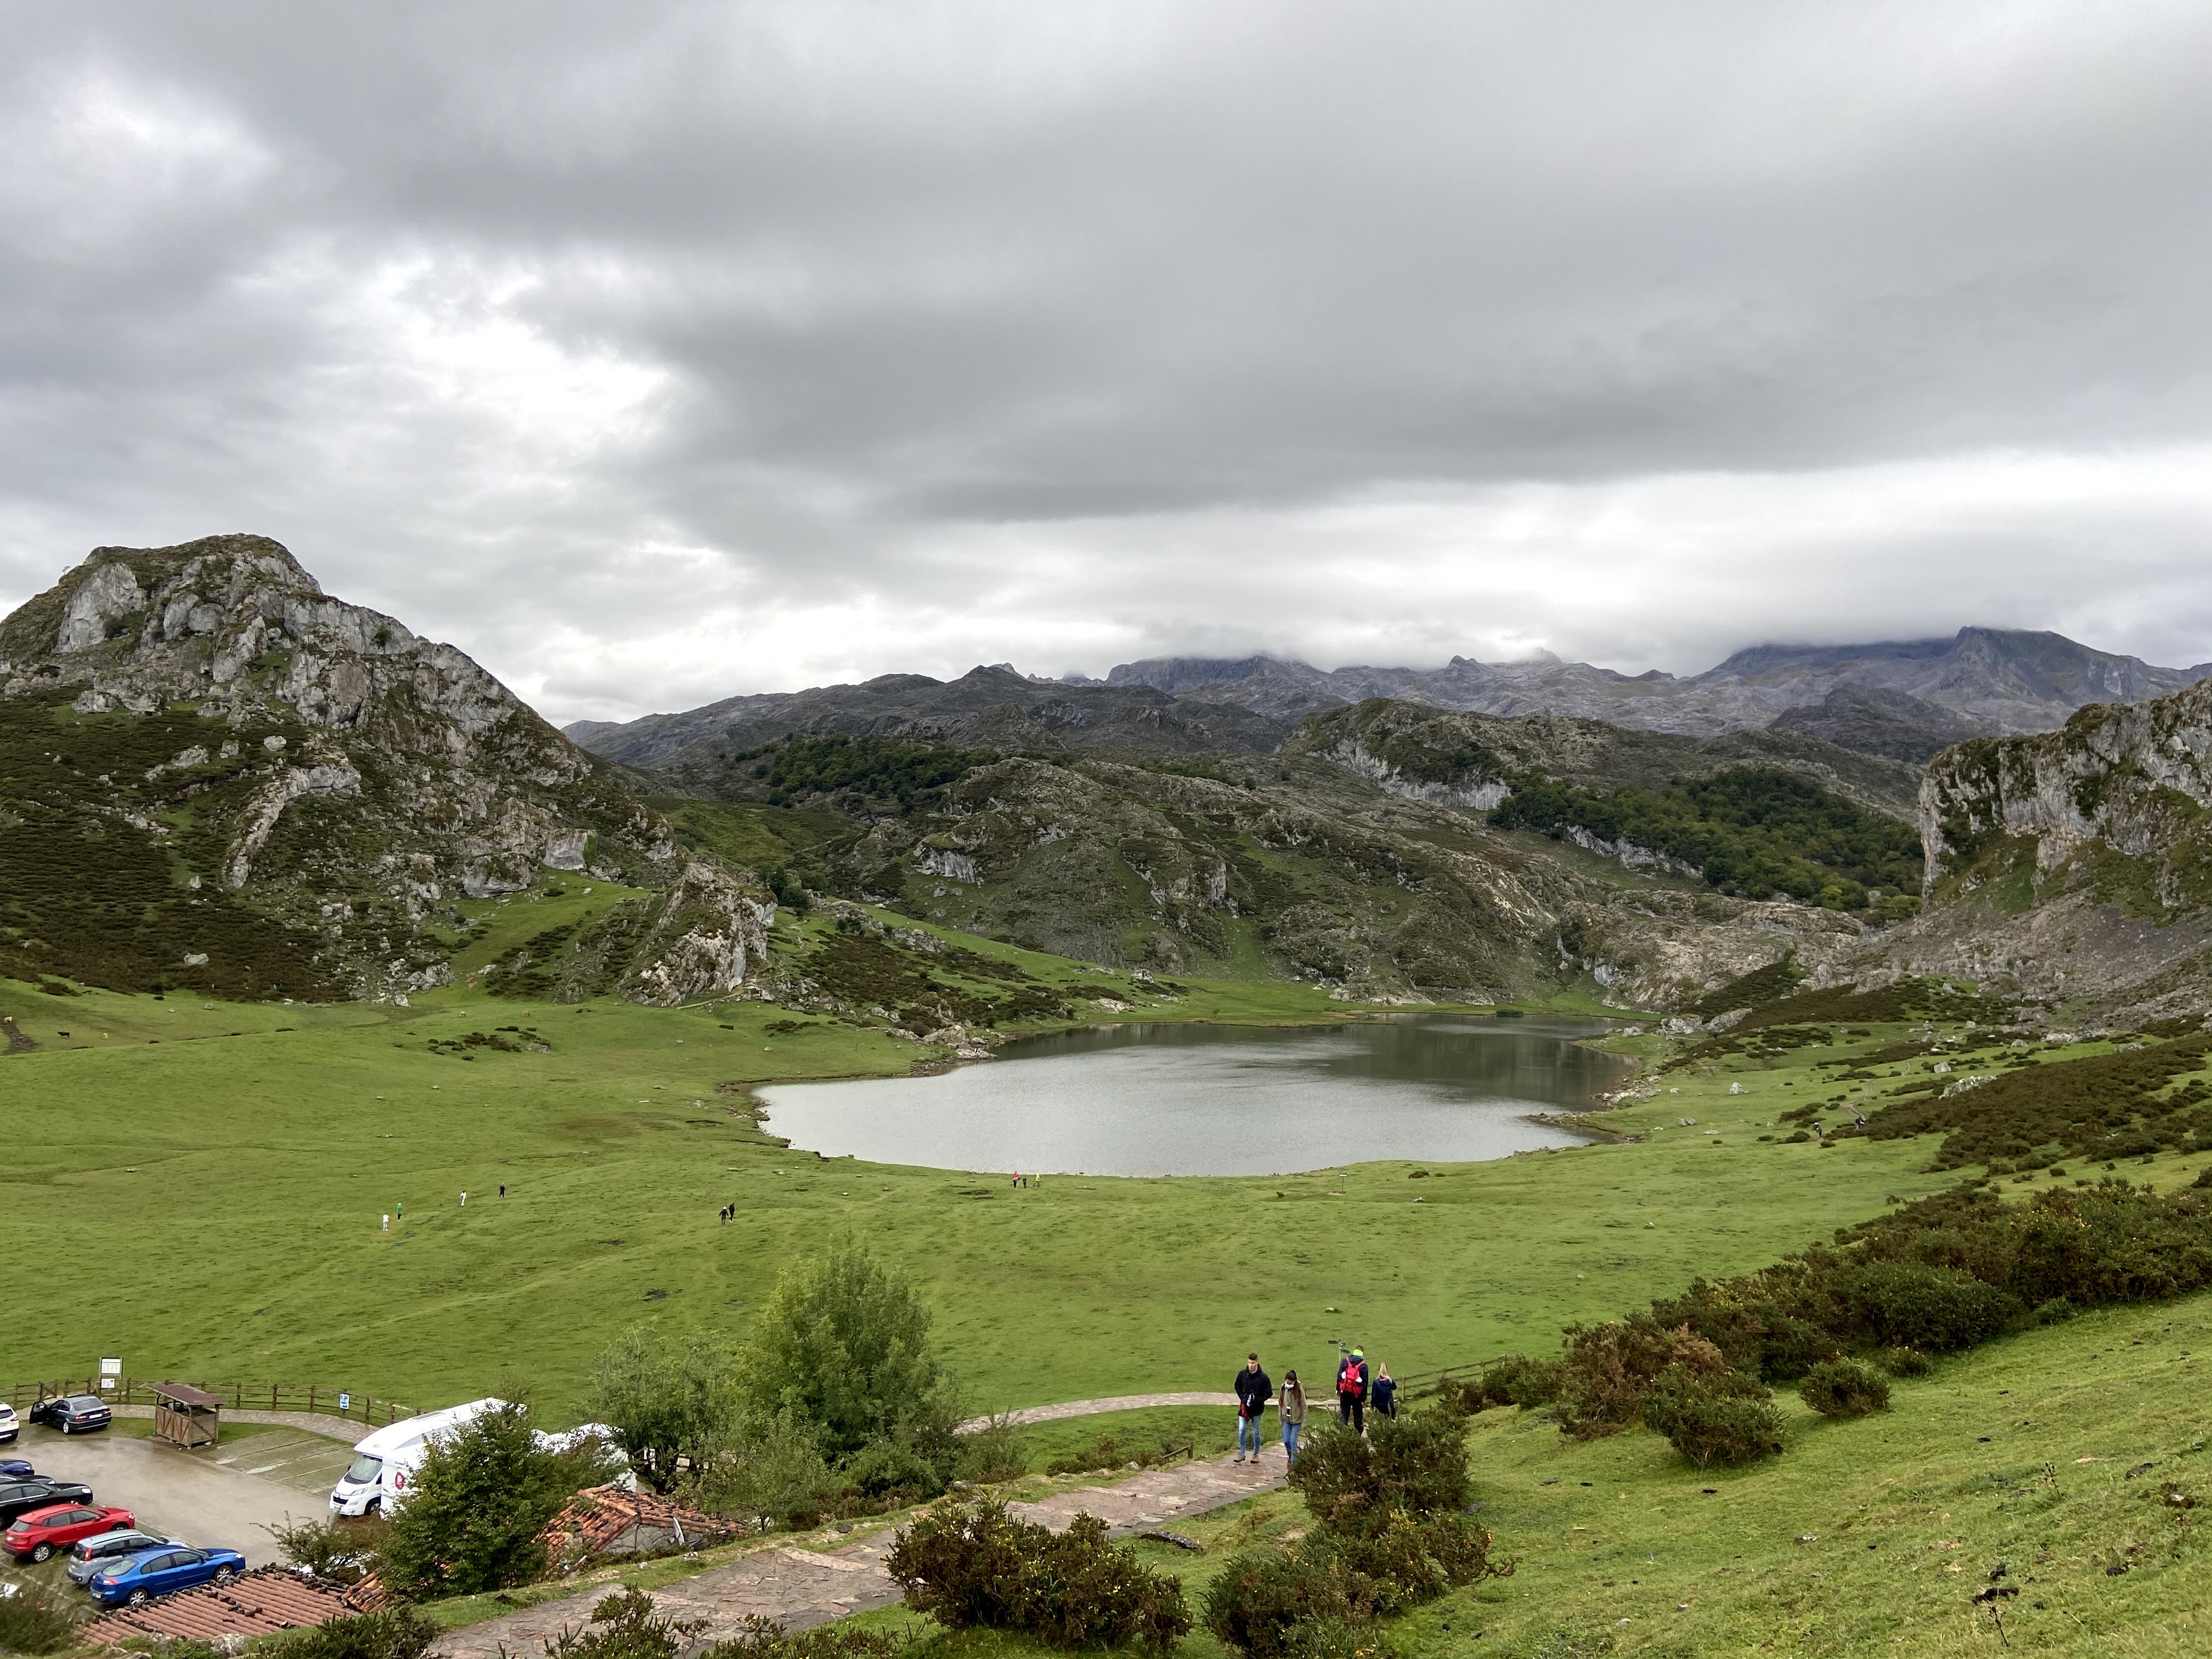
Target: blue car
{"x": 137, "y": 1579}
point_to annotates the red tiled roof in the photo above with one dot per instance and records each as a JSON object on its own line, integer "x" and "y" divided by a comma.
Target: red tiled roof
{"x": 265, "y": 1600}
{"x": 600, "y": 1515}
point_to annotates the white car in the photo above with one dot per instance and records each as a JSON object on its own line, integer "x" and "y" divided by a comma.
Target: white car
{"x": 10, "y": 1425}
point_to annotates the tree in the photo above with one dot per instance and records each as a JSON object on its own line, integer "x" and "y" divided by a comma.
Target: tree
{"x": 766, "y": 1472}
{"x": 842, "y": 1348}
{"x": 666, "y": 1397}
{"x": 474, "y": 1515}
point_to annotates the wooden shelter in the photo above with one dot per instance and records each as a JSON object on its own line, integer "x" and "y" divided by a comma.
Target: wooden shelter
{"x": 186, "y": 1416}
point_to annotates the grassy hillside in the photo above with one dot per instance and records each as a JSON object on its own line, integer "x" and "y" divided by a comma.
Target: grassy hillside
{"x": 2051, "y": 1455}
{"x": 249, "y": 1152}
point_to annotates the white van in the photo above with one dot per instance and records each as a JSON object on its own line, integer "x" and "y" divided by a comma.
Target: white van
{"x": 384, "y": 1462}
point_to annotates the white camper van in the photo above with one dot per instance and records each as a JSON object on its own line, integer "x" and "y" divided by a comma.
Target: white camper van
{"x": 385, "y": 1462}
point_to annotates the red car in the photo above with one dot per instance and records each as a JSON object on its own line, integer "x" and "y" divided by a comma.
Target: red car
{"x": 47, "y": 1532}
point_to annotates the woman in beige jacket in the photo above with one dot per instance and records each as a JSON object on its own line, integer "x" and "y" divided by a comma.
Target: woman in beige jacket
{"x": 1293, "y": 1405}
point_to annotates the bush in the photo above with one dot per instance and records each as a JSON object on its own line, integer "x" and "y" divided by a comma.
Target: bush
{"x": 390, "y": 1632}
{"x": 1844, "y": 1387}
{"x": 883, "y": 1467}
{"x": 337, "y": 1552}
{"x": 1267, "y": 1604}
{"x": 1906, "y": 1304}
{"x": 38, "y": 1619}
{"x": 1611, "y": 1367}
{"x": 474, "y": 1516}
{"x": 624, "y": 1627}
{"x": 764, "y": 1638}
{"x": 972, "y": 1563}
{"x": 1416, "y": 1463}
{"x": 1906, "y": 1362}
{"x": 1713, "y": 1417}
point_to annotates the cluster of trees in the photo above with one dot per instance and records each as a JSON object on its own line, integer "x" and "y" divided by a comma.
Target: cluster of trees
{"x": 1841, "y": 1320}
{"x": 878, "y": 769}
{"x": 835, "y": 1394}
{"x": 1750, "y": 830}
{"x": 834, "y": 1397}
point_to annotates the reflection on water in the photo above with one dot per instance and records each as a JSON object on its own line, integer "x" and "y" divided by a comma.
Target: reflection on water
{"x": 1157, "y": 1099}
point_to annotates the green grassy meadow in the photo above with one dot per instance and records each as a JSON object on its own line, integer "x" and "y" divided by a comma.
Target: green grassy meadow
{"x": 204, "y": 1183}
{"x": 242, "y": 1177}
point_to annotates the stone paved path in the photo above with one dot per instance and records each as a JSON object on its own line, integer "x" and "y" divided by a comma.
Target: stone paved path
{"x": 802, "y": 1588}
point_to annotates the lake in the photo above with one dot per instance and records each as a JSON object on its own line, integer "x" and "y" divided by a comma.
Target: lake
{"x": 1147, "y": 1099}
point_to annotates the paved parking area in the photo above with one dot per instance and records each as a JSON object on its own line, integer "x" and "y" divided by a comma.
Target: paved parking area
{"x": 187, "y": 1495}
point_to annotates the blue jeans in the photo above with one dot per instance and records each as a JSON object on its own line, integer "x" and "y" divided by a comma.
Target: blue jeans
{"x": 1248, "y": 1434}
{"x": 1290, "y": 1441}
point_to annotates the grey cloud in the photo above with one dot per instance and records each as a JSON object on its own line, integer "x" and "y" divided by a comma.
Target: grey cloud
{"x": 635, "y": 348}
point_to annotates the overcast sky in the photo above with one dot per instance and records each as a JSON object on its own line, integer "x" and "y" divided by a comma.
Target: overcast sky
{"x": 653, "y": 353}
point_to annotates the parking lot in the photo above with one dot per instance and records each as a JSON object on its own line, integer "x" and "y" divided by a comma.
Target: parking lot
{"x": 227, "y": 1495}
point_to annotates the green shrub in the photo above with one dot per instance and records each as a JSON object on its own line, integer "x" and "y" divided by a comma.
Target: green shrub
{"x": 1611, "y": 1367}
{"x": 624, "y": 1625}
{"x": 478, "y": 1506}
{"x": 338, "y": 1553}
{"x": 1416, "y": 1463}
{"x": 972, "y": 1563}
{"x": 1269, "y": 1604}
{"x": 1906, "y": 1304}
{"x": 390, "y": 1632}
{"x": 1844, "y": 1387}
{"x": 38, "y": 1619}
{"x": 883, "y": 1467}
{"x": 1906, "y": 1362}
{"x": 1518, "y": 1380}
{"x": 764, "y": 1638}
{"x": 1713, "y": 1417}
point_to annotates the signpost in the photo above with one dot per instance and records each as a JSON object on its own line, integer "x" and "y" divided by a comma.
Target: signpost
{"x": 110, "y": 1370}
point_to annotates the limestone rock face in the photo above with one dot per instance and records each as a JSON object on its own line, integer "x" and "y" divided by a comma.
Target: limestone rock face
{"x": 345, "y": 778}
{"x": 707, "y": 936}
{"x": 2075, "y": 864}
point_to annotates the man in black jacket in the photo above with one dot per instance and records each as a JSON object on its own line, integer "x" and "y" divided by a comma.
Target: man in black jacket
{"x": 1254, "y": 1388}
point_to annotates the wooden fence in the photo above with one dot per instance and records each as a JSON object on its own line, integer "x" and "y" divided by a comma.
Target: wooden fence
{"x": 366, "y": 1409}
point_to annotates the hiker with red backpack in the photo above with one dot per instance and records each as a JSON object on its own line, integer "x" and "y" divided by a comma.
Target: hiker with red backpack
{"x": 1352, "y": 1390}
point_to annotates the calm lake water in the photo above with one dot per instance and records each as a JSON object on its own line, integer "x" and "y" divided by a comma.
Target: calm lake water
{"x": 1148, "y": 1100}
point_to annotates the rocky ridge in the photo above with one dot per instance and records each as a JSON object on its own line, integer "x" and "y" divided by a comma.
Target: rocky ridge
{"x": 259, "y": 746}
{"x": 2075, "y": 866}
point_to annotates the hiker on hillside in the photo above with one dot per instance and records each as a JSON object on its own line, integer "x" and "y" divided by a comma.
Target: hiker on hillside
{"x": 1352, "y": 1390}
{"x": 1253, "y": 1387}
{"x": 1293, "y": 1409}
{"x": 1385, "y": 1393}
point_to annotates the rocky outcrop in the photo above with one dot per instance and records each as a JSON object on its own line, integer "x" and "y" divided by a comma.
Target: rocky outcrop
{"x": 2076, "y": 865}
{"x": 707, "y": 935}
{"x": 346, "y": 779}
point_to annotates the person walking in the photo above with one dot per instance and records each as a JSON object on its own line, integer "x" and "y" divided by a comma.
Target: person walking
{"x": 1292, "y": 1408}
{"x": 1384, "y": 1393}
{"x": 1352, "y": 1390}
{"x": 1253, "y": 1387}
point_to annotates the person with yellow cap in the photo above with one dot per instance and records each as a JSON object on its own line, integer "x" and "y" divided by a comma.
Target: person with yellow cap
{"x": 1352, "y": 1390}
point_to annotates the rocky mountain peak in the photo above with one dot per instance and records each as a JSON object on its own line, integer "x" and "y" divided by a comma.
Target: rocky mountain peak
{"x": 348, "y": 781}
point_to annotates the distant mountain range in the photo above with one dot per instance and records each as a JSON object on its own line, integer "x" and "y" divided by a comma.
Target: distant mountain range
{"x": 1905, "y": 700}
{"x": 1981, "y": 680}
